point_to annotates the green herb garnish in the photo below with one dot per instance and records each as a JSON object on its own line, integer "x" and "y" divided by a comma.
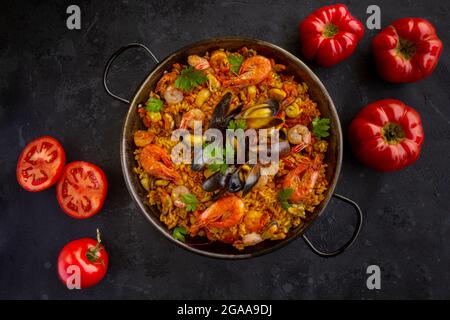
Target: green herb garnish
{"x": 221, "y": 164}
{"x": 189, "y": 78}
{"x": 235, "y": 62}
{"x": 190, "y": 201}
{"x": 179, "y": 234}
{"x": 321, "y": 127}
{"x": 237, "y": 124}
{"x": 153, "y": 104}
{"x": 214, "y": 167}
{"x": 283, "y": 196}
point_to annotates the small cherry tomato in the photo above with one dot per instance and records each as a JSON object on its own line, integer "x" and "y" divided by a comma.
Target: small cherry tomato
{"x": 387, "y": 135}
{"x": 81, "y": 190}
{"x": 40, "y": 164}
{"x": 82, "y": 262}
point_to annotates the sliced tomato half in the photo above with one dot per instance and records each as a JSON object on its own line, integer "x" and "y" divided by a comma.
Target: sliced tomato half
{"x": 40, "y": 164}
{"x": 81, "y": 190}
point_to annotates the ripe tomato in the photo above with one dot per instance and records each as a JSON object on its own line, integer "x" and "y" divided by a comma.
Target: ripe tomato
{"x": 81, "y": 190}
{"x": 406, "y": 51}
{"x": 40, "y": 164}
{"x": 330, "y": 34}
{"x": 86, "y": 258}
{"x": 387, "y": 135}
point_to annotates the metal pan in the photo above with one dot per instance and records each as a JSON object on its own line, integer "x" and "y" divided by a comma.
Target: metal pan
{"x": 295, "y": 67}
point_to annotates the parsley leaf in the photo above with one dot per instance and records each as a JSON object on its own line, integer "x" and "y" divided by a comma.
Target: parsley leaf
{"x": 237, "y": 124}
{"x": 189, "y": 78}
{"x": 221, "y": 164}
{"x": 283, "y": 196}
{"x": 235, "y": 62}
{"x": 190, "y": 200}
{"x": 321, "y": 127}
{"x": 179, "y": 233}
{"x": 153, "y": 104}
{"x": 214, "y": 167}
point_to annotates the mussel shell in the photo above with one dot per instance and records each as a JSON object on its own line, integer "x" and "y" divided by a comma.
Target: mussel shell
{"x": 263, "y": 123}
{"x": 220, "y": 111}
{"x": 283, "y": 148}
{"x": 235, "y": 184}
{"x": 266, "y": 109}
{"x": 198, "y": 162}
{"x": 251, "y": 180}
{"x": 217, "y": 181}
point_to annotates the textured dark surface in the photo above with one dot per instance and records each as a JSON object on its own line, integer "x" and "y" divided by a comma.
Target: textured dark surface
{"x": 51, "y": 84}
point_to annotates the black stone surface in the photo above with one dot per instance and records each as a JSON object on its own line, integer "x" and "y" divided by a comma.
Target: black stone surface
{"x": 50, "y": 83}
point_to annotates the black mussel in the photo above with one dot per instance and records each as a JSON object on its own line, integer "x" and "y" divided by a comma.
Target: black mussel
{"x": 198, "y": 162}
{"x": 217, "y": 181}
{"x": 283, "y": 134}
{"x": 233, "y": 113}
{"x": 283, "y": 148}
{"x": 263, "y": 110}
{"x": 237, "y": 181}
{"x": 251, "y": 179}
{"x": 244, "y": 178}
{"x": 263, "y": 123}
{"x": 220, "y": 111}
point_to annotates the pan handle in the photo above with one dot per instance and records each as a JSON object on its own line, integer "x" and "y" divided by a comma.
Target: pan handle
{"x": 350, "y": 241}
{"x": 114, "y": 56}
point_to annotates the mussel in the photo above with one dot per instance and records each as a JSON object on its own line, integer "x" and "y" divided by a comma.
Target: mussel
{"x": 198, "y": 162}
{"x": 263, "y": 123}
{"x": 244, "y": 178}
{"x": 220, "y": 112}
{"x": 261, "y": 116}
{"x": 261, "y": 110}
{"x": 218, "y": 180}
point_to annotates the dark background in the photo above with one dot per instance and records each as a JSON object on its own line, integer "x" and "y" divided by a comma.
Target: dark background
{"x": 50, "y": 83}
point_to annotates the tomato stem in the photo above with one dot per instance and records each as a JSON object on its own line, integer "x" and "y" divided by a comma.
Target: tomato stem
{"x": 91, "y": 254}
{"x": 393, "y": 133}
{"x": 330, "y": 30}
{"x": 405, "y": 48}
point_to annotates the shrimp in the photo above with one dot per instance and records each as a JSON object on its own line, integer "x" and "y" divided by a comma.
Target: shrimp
{"x": 217, "y": 59}
{"x": 198, "y": 62}
{"x": 166, "y": 80}
{"x": 224, "y": 213}
{"x": 143, "y": 138}
{"x": 302, "y": 179}
{"x": 190, "y": 117}
{"x": 177, "y": 192}
{"x": 156, "y": 162}
{"x": 253, "y": 70}
{"x": 173, "y": 95}
{"x": 299, "y": 135}
{"x": 291, "y": 93}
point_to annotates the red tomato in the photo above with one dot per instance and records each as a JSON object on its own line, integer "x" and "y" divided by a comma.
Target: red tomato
{"x": 387, "y": 135}
{"x": 81, "y": 190}
{"x": 40, "y": 164}
{"x": 330, "y": 35}
{"x": 84, "y": 257}
{"x": 407, "y": 51}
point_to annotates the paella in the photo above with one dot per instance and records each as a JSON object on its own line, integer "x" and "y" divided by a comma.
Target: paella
{"x": 232, "y": 149}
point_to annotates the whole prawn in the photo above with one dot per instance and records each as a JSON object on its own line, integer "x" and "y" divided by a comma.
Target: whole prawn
{"x": 156, "y": 162}
{"x": 302, "y": 179}
{"x": 253, "y": 70}
{"x": 224, "y": 213}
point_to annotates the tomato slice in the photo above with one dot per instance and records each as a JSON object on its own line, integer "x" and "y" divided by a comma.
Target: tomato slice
{"x": 40, "y": 164}
{"x": 81, "y": 190}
